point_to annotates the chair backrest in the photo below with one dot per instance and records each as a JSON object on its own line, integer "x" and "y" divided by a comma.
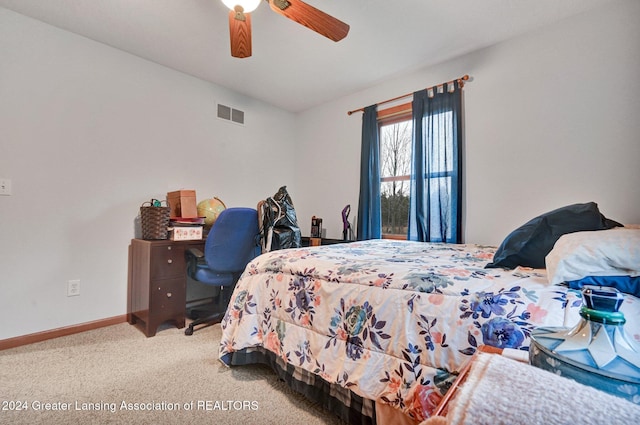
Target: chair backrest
{"x": 233, "y": 240}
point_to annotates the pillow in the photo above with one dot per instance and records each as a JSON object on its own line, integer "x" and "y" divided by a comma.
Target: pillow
{"x": 605, "y": 258}
{"x": 529, "y": 244}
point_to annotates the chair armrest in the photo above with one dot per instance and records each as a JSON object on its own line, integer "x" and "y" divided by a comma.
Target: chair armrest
{"x": 194, "y": 252}
{"x": 193, "y": 257}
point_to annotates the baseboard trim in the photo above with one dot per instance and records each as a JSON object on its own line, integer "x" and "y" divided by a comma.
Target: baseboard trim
{"x": 56, "y": 333}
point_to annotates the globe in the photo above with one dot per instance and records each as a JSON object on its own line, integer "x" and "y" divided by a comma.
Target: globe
{"x": 210, "y": 209}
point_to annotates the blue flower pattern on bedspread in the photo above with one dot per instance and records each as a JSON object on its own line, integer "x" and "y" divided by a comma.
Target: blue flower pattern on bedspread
{"x": 391, "y": 320}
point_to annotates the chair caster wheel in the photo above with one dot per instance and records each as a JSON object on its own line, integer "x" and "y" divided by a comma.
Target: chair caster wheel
{"x": 188, "y": 331}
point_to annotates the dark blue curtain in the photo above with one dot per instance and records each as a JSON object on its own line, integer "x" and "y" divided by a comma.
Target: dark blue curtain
{"x": 436, "y": 183}
{"x": 369, "y": 211}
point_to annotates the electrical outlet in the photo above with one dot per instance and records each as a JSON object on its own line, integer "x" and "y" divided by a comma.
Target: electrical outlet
{"x": 73, "y": 288}
{"x": 5, "y": 186}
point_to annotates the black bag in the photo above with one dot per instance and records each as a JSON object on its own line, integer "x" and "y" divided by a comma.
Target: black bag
{"x": 279, "y": 225}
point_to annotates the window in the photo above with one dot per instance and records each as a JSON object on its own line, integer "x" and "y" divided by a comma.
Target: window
{"x": 435, "y": 182}
{"x": 396, "y": 127}
{"x": 396, "y": 132}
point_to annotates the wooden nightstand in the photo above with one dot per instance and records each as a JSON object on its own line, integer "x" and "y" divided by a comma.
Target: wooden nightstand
{"x": 307, "y": 241}
{"x": 157, "y": 283}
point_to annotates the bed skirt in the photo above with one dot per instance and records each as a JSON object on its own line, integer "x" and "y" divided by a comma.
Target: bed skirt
{"x": 348, "y": 406}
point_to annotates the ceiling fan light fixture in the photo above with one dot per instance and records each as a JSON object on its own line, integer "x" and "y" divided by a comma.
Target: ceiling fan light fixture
{"x": 248, "y": 6}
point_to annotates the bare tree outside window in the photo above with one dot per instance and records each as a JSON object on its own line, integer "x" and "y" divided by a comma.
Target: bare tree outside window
{"x": 395, "y": 156}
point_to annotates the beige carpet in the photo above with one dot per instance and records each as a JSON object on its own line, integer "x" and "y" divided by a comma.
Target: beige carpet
{"x": 117, "y": 375}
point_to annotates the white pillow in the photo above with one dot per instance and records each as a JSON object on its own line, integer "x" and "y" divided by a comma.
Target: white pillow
{"x": 614, "y": 252}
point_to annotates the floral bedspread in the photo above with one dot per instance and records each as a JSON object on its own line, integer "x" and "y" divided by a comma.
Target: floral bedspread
{"x": 393, "y": 321}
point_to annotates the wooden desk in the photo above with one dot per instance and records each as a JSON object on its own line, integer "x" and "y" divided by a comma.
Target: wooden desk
{"x": 157, "y": 283}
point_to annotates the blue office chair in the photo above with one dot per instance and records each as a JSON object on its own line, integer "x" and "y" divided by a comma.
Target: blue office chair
{"x": 231, "y": 244}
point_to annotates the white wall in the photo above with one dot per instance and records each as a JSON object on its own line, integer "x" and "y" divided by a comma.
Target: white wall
{"x": 88, "y": 133}
{"x": 551, "y": 119}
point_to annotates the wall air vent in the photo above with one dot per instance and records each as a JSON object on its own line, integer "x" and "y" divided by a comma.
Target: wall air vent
{"x": 228, "y": 113}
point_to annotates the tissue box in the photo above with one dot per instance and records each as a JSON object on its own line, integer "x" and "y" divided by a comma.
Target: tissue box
{"x": 185, "y": 233}
{"x": 182, "y": 203}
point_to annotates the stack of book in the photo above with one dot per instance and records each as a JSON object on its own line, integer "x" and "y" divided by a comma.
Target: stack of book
{"x": 186, "y": 229}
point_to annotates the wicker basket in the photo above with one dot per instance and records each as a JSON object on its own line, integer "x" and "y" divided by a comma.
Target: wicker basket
{"x": 154, "y": 220}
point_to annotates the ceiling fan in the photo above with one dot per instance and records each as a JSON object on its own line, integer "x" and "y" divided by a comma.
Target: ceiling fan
{"x": 296, "y": 10}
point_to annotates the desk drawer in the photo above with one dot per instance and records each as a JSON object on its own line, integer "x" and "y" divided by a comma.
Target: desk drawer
{"x": 167, "y": 261}
{"x": 168, "y": 297}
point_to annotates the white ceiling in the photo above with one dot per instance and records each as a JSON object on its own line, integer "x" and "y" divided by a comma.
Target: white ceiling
{"x": 293, "y": 67}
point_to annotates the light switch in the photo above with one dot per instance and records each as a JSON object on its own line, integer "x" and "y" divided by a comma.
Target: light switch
{"x": 5, "y": 186}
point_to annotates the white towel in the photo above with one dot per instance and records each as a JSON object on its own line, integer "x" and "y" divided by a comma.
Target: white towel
{"x": 501, "y": 391}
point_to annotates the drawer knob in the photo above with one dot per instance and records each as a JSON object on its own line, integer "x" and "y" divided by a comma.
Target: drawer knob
{"x": 169, "y": 294}
{"x": 169, "y": 248}
{"x": 169, "y": 261}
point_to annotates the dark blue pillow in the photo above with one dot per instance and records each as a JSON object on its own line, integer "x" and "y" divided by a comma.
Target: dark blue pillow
{"x": 530, "y": 243}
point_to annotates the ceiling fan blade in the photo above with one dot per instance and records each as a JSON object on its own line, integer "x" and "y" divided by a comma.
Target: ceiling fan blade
{"x": 311, "y": 18}
{"x": 240, "y": 34}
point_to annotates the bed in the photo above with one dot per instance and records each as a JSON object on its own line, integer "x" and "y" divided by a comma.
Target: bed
{"x": 376, "y": 330}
